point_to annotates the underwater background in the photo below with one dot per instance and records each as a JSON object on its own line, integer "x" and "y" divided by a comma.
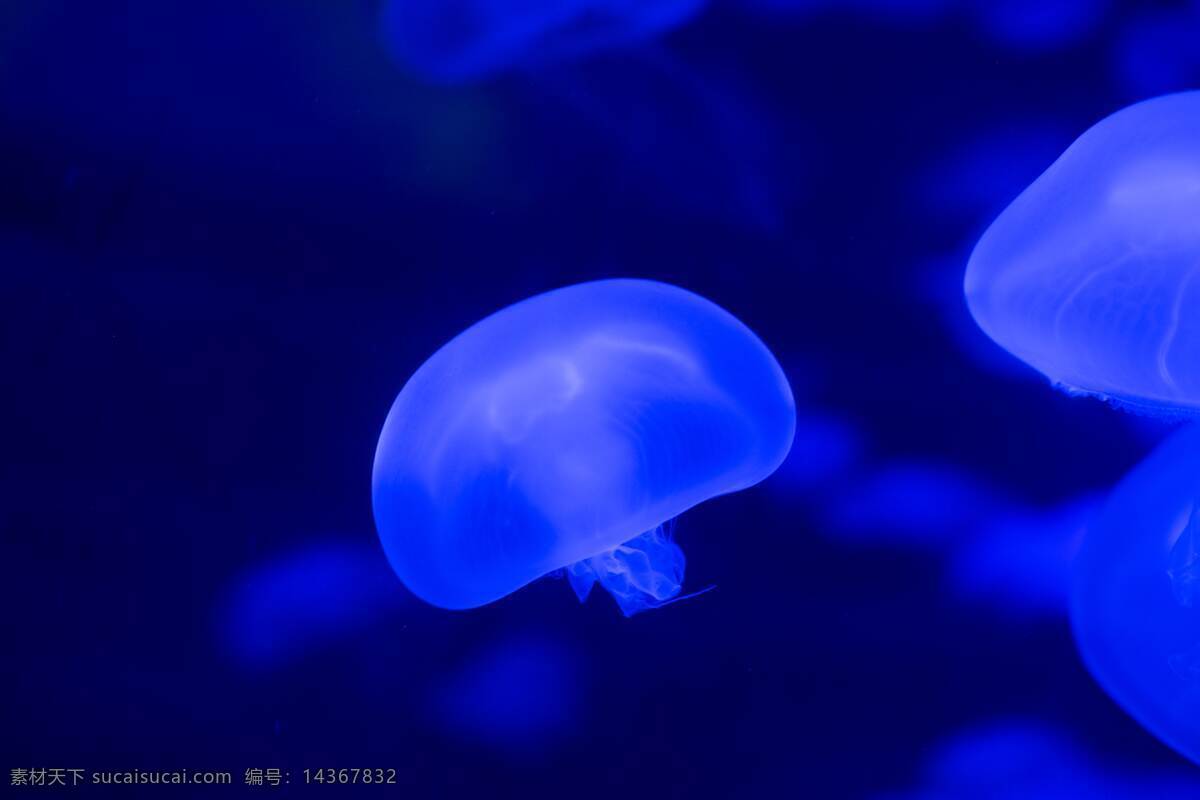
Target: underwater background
{"x": 229, "y": 232}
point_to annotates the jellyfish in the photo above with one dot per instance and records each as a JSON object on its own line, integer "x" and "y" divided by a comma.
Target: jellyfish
{"x": 1135, "y": 599}
{"x": 565, "y": 432}
{"x": 459, "y": 40}
{"x": 1092, "y": 275}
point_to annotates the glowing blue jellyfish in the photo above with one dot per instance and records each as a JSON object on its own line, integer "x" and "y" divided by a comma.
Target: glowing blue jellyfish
{"x": 1092, "y": 275}
{"x": 1135, "y": 603}
{"x": 457, "y": 40}
{"x": 564, "y": 432}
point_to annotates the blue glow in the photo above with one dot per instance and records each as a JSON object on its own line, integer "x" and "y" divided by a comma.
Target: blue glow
{"x": 1133, "y": 604}
{"x": 301, "y": 601}
{"x": 564, "y": 427}
{"x": 913, "y": 503}
{"x": 516, "y": 695}
{"x": 1089, "y": 275}
{"x": 1156, "y": 52}
{"x": 455, "y": 40}
{"x": 1039, "y": 25}
{"x": 973, "y": 180}
{"x": 1029, "y": 759}
{"x": 1022, "y": 25}
{"x": 940, "y": 287}
{"x": 1020, "y": 563}
{"x": 824, "y": 451}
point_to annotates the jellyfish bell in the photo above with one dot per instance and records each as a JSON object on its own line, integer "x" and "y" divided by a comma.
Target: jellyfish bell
{"x": 565, "y": 432}
{"x": 1092, "y": 275}
{"x": 1135, "y": 598}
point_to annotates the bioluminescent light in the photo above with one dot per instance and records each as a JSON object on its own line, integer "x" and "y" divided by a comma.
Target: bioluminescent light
{"x": 457, "y": 40}
{"x": 1135, "y": 603}
{"x": 564, "y": 432}
{"x": 1092, "y": 275}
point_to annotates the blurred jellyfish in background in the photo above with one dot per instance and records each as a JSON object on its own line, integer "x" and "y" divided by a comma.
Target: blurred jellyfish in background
{"x": 720, "y": 154}
{"x": 1031, "y": 759}
{"x": 1039, "y": 25}
{"x": 999, "y": 552}
{"x": 1090, "y": 275}
{"x": 1032, "y": 26}
{"x": 826, "y": 448}
{"x": 519, "y": 694}
{"x": 971, "y": 181}
{"x": 460, "y": 40}
{"x": 566, "y": 431}
{"x": 912, "y": 503}
{"x": 1134, "y": 604}
{"x": 304, "y": 601}
{"x": 1020, "y": 562}
{"x": 1156, "y": 51}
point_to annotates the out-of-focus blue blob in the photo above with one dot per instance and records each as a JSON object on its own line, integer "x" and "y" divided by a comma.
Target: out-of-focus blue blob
{"x": 1029, "y": 759}
{"x": 565, "y": 427}
{"x": 914, "y": 504}
{"x": 825, "y": 449}
{"x": 301, "y": 601}
{"x": 973, "y": 180}
{"x": 517, "y": 695}
{"x": 1091, "y": 274}
{"x": 1134, "y": 602}
{"x": 1040, "y": 25}
{"x": 1156, "y": 51}
{"x": 458, "y": 40}
{"x": 1020, "y": 562}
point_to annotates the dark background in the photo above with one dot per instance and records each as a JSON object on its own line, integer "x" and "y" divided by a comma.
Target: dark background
{"x": 230, "y": 231}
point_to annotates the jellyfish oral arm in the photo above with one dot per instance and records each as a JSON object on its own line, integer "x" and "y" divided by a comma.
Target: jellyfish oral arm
{"x": 646, "y": 572}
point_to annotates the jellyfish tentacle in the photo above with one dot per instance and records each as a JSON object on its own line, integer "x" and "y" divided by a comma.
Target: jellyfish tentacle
{"x": 645, "y": 572}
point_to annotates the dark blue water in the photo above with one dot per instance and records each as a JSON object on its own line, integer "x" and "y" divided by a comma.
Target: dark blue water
{"x": 230, "y": 232}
